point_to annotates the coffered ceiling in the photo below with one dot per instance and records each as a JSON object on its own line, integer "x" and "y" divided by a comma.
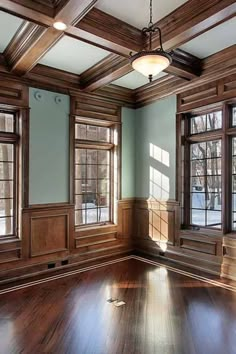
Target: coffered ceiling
{"x": 8, "y": 27}
{"x": 134, "y": 80}
{"x": 136, "y": 12}
{"x": 73, "y": 55}
{"x": 214, "y": 40}
{"x": 100, "y": 34}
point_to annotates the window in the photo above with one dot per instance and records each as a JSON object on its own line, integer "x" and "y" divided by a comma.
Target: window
{"x": 94, "y": 173}
{"x": 207, "y": 155}
{"x": 9, "y": 140}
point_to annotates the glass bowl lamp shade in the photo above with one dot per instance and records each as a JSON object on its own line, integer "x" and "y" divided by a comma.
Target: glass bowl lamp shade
{"x": 150, "y": 63}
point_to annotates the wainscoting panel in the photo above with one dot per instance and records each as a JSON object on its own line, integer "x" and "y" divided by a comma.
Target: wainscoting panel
{"x": 48, "y": 229}
{"x": 126, "y": 218}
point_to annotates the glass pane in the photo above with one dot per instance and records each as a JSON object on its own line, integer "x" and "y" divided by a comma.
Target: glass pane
{"x": 91, "y": 216}
{"x": 6, "y": 189}
{"x": 198, "y": 217}
{"x": 213, "y": 218}
{"x": 79, "y": 217}
{"x": 103, "y": 157}
{"x": 6, "y": 122}
{"x": 90, "y": 199}
{"x": 102, "y": 200}
{"x": 80, "y": 156}
{"x": 103, "y": 134}
{"x": 214, "y": 166}
{"x": 103, "y": 186}
{"x": 213, "y": 184}
{"x": 234, "y": 146}
{"x": 214, "y": 148}
{"x": 6, "y": 226}
{"x": 214, "y": 201}
{"x": 198, "y": 151}
{"x": 79, "y": 184}
{"x": 234, "y": 221}
{"x": 198, "y": 168}
{"x": 198, "y": 124}
{"x": 103, "y": 171}
{"x": 104, "y": 214}
{"x": 80, "y": 131}
{"x": 6, "y": 152}
{"x": 234, "y": 116}
{"x": 6, "y": 207}
{"x": 92, "y": 171}
{"x": 6, "y": 170}
{"x": 91, "y": 186}
{"x": 214, "y": 120}
{"x": 92, "y": 132}
{"x": 79, "y": 202}
{"x": 198, "y": 200}
{"x": 80, "y": 171}
{"x": 234, "y": 184}
{"x": 91, "y": 157}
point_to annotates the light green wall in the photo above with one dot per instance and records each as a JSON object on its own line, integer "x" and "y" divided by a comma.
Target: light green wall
{"x": 128, "y": 153}
{"x": 155, "y": 150}
{"x": 49, "y": 147}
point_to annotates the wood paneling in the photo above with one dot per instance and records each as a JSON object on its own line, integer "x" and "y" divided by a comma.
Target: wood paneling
{"x": 157, "y": 221}
{"x": 49, "y": 234}
{"x": 126, "y": 220}
{"x": 13, "y": 93}
{"x": 83, "y": 106}
{"x": 48, "y": 229}
{"x": 217, "y": 91}
{"x": 228, "y": 268}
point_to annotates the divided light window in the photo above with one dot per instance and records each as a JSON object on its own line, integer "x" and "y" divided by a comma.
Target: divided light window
{"x": 93, "y": 173}
{"x": 201, "y": 159}
{"x": 8, "y": 174}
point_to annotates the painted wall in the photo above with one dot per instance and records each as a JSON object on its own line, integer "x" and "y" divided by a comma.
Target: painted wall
{"x": 155, "y": 150}
{"x": 49, "y": 147}
{"x": 128, "y": 153}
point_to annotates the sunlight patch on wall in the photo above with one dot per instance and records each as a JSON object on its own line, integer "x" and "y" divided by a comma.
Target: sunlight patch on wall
{"x": 159, "y": 154}
{"x": 159, "y": 185}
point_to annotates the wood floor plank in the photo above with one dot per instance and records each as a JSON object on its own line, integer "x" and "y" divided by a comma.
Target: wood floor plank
{"x": 165, "y": 312}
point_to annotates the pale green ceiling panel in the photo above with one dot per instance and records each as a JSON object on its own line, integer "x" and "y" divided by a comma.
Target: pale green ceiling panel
{"x": 136, "y": 12}
{"x": 213, "y": 41}
{"x": 73, "y": 56}
{"x": 8, "y": 26}
{"x": 134, "y": 80}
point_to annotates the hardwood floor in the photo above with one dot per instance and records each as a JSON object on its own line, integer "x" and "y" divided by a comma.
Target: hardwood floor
{"x": 165, "y": 312}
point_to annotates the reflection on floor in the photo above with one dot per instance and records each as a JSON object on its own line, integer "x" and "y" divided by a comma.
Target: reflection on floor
{"x": 165, "y": 312}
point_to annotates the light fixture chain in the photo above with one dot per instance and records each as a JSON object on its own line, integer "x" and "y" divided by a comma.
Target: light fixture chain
{"x": 150, "y": 22}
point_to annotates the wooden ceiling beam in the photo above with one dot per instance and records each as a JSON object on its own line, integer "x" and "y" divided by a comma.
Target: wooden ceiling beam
{"x": 184, "y": 65}
{"x": 26, "y": 13}
{"x": 188, "y": 21}
{"x": 102, "y": 73}
{"x": 191, "y": 20}
{"x": 108, "y": 32}
{"x": 215, "y": 67}
{"x": 32, "y": 47}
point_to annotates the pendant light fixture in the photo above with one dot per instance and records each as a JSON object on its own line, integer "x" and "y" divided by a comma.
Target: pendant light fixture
{"x": 151, "y": 62}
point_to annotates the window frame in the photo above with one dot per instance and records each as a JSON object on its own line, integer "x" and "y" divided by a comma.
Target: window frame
{"x": 98, "y": 145}
{"x": 14, "y": 138}
{"x": 184, "y": 141}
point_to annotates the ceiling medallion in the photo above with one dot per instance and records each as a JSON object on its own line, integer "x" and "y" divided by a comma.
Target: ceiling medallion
{"x": 151, "y": 62}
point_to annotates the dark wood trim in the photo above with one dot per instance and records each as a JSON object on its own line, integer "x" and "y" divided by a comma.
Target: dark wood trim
{"x": 119, "y": 36}
{"x": 25, "y": 117}
{"x": 32, "y": 42}
{"x": 193, "y": 18}
{"x": 104, "y": 72}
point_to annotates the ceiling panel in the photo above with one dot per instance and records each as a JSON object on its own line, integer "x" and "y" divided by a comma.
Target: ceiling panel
{"x": 213, "y": 41}
{"x": 136, "y": 12}
{"x": 72, "y": 55}
{"x": 134, "y": 80}
{"x": 8, "y": 26}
